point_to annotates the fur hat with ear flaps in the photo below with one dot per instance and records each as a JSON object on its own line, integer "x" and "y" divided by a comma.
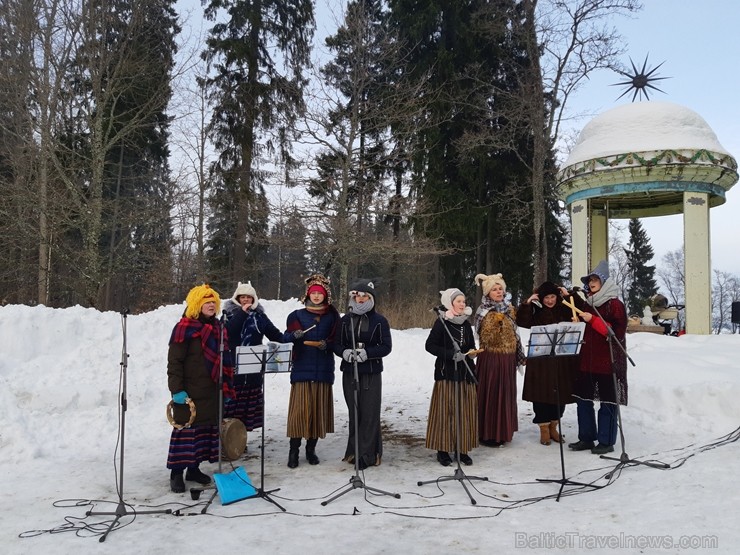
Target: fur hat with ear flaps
{"x": 487, "y": 282}
{"x": 547, "y": 288}
{"x": 601, "y": 271}
{"x": 315, "y": 281}
{"x": 197, "y": 297}
{"x": 245, "y": 289}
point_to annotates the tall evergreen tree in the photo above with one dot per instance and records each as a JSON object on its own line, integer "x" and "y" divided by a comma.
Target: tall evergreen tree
{"x": 641, "y": 275}
{"x": 473, "y": 192}
{"x": 258, "y": 54}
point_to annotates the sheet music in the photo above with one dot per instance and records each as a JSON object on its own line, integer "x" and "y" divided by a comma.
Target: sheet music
{"x": 277, "y": 356}
{"x": 564, "y": 336}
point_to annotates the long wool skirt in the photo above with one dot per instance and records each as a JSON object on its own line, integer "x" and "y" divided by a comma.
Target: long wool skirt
{"x": 497, "y": 412}
{"x": 247, "y": 406}
{"x": 310, "y": 410}
{"x": 441, "y": 426}
{"x": 191, "y": 446}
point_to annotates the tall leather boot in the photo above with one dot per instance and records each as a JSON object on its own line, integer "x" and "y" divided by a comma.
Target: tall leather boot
{"x": 295, "y": 445}
{"x": 545, "y": 433}
{"x": 311, "y": 450}
{"x": 554, "y": 434}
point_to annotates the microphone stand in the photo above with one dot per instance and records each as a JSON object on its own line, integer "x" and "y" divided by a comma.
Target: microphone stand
{"x": 121, "y": 510}
{"x": 459, "y": 474}
{"x": 623, "y": 459}
{"x": 355, "y": 481}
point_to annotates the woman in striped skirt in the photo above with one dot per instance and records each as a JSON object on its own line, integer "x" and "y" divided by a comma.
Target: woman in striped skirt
{"x": 454, "y": 348}
{"x": 193, "y": 374}
{"x": 311, "y": 405}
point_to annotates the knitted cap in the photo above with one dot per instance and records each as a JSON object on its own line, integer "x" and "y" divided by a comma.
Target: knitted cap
{"x": 197, "y": 297}
{"x": 487, "y": 282}
{"x": 362, "y": 286}
{"x": 245, "y": 289}
{"x": 601, "y": 271}
{"x": 449, "y": 295}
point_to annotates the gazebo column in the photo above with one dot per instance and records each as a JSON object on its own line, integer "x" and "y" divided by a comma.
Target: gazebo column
{"x": 599, "y": 237}
{"x": 579, "y": 222}
{"x": 697, "y": 263}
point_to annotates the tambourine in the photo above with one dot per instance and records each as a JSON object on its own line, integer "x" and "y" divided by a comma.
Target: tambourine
{"x": 171, "y": 418}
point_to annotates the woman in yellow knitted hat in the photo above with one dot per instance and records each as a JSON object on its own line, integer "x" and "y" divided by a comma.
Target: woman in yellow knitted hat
{"x": 193, "y": 374}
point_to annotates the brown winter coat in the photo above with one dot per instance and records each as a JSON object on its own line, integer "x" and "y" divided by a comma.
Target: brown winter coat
{"x": 186, "y": 371}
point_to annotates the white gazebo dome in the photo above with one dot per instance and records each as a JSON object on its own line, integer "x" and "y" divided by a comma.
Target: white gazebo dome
{"x": 640, "y": 158}
{"x": 644, "y": 127}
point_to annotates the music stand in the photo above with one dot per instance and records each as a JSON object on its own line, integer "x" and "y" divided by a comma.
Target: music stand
{"x": 121, "y": 510}
{"x": 355, "y": 482}
{"x": 278, "y": 356}
{"x": 459, "y": 474}
{"x": 558, "y": 340}
{"x": 623, "y": 459}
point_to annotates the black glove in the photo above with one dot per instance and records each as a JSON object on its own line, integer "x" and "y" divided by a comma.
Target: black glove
{"x": 298, "y": 334}
{"x": 322, "y": 345}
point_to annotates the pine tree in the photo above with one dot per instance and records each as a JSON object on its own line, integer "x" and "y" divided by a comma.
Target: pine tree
{"x": 642, "y": 284}
{"x": 258, "y": 53}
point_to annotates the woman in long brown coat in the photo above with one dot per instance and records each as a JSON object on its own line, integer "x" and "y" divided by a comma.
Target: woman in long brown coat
{"x": 548, "y": 381}
{"x": 193, "y": 374}
{"x": 495, "y": 322}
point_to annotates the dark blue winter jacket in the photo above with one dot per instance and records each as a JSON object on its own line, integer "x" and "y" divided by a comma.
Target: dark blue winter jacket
{"x": 312, "y": 363}
{"x": 372, "y": 333}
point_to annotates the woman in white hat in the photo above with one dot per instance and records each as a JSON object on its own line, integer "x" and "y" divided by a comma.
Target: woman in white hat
{"x": 454, "y": 349}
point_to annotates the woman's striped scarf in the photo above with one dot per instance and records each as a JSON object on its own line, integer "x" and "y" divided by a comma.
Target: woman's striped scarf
{"x": 210, "y": 340}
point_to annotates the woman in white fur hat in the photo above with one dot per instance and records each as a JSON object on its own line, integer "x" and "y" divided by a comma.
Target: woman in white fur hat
{"x": 450, "y": 366}
{"x": 495, "y": 322}
{"x": 247, "y": 324}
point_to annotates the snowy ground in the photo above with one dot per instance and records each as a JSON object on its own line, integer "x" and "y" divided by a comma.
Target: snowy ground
{"x": 60, "y": 398}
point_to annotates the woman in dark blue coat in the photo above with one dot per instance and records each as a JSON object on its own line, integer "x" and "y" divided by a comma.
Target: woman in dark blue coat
{"x": 247, "y": 325}
{"x": 311, "y": 406}
{"x": 372, "y": 342}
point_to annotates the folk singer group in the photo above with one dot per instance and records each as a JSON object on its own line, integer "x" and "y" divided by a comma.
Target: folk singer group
{"x": 484, "y": 378}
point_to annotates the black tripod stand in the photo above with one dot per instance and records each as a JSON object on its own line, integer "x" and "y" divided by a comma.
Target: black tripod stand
{"x": 459, "y": 474}
{"x": 624, "y": 459}
{"x": 355, "y": 482}
{"x": 549, "y": 342}
{"x": 121, "y": 510}
{"x": 264, "y": 357}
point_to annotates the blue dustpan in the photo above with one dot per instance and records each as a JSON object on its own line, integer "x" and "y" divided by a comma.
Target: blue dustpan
{"x": 234, "y": 486}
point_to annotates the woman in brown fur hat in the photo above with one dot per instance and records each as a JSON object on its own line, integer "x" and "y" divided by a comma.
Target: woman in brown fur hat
{"x": 495, "y": 322}
{"x": 548, "y": 383}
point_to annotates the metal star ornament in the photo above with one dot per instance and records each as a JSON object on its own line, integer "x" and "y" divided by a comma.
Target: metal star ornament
{"x": 640, "y": 81}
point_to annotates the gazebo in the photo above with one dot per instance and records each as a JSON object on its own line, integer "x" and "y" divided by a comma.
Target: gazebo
{"x": 642, "y": 160}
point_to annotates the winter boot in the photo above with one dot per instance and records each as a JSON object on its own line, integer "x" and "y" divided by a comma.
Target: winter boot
{"x": 311, "y": 451}
{"x": 177, "y": 484}
{"x": 443, "y": 458}
{"x": 194, "y": 474}
{"x": 295, "y": 444}
{"x": 554, "y": 434}
{"x": 545, "y": 433}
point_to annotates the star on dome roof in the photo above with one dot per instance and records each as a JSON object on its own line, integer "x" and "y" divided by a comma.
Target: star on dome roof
{"x": 640, "y": 80}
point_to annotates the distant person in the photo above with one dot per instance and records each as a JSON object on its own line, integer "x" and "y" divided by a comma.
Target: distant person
{"x": 311, "y": 406}
{"x": 495, "y": 322}
{"x": 548, "y": 381}
{"x": 372, "y": 342}
{"x": 247, "y": 325}
{"x": 601, "y": 360}
{"x": 193, "y": 374}
{"x": 451, "y": 341}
